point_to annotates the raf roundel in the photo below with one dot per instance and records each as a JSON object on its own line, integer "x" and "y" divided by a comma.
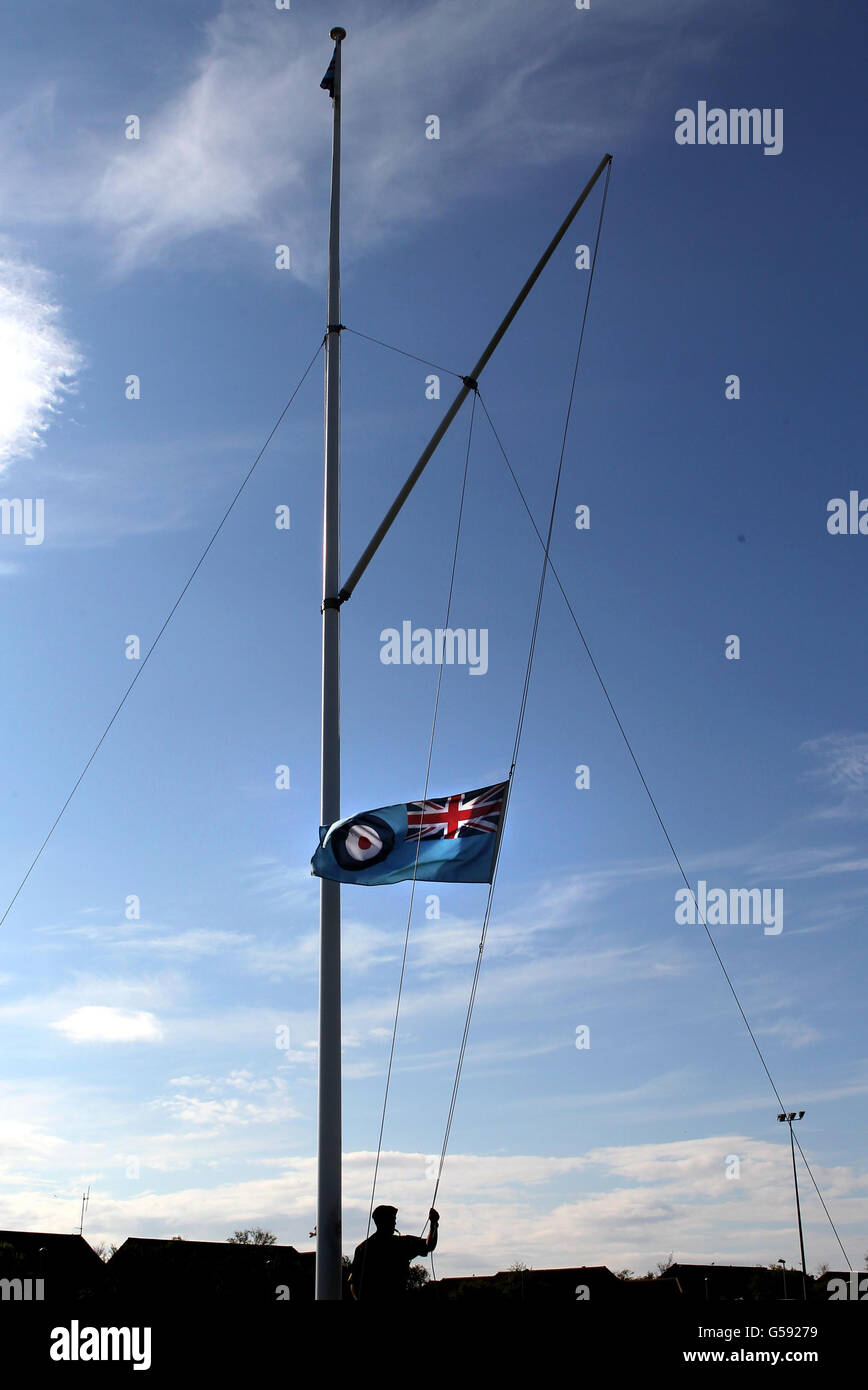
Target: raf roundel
{"x": 362, "y": 842}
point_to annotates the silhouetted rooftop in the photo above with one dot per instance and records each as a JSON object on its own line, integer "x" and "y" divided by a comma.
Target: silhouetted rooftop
{"x": 200, "y": 1269}
{"x": 66, "y": 1263}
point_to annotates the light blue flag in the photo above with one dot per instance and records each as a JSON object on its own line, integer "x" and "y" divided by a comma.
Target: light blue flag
{"x": 454, "y": 837}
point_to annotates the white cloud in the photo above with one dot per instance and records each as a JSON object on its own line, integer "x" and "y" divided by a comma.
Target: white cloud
{"x": 243, "y": 143}
{"x": 99, "y": 1023}
{"x": 622, "y": 1206}
{"x": 19, "y": 1140}
{"x": 285, "y": 885}
{"x": 452, "y": 942}
{"x": 842, "y": 767}
{"x": 199, "y": 941}
{"x": 107, "y": 993}
{"x": 246, "y": 143}
{"x": 793, "y": 1032}
{"x": 218, "y": 1114}
{"x": 38, "y": 362}
{"x": 843, "y": 758}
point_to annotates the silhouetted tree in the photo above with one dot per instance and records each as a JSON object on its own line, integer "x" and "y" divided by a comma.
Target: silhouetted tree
{"x": 417, "y": 1278}
{"x": 254, "y": 1235}
{"x": 513, "y": 1284}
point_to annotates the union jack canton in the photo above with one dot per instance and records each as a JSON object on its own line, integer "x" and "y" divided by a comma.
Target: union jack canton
{"x": 452, "y": 817}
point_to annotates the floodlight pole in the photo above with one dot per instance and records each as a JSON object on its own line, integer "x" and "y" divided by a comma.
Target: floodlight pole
{"x": 793, "y": 1115}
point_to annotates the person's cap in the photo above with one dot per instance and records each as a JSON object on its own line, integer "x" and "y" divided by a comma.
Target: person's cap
{"x": 384, "y": 1211}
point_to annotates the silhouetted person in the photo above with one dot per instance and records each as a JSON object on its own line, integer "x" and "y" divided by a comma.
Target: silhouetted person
{"x": 380, "y": 1264}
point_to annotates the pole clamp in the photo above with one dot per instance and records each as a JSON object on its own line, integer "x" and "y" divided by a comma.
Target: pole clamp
{"x": 330, "y": 603}
{"x": 335, "y": 328}
{"x": 471, "y": 383}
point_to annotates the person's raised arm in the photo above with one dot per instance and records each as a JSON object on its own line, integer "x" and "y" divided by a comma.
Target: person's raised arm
{"x": 435, "y": 1227}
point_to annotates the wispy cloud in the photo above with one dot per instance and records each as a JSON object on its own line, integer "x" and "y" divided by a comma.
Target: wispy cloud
{"x": 842, "y": 769}
{"x": 792, "y": 1032}
{"x": 238, "y": 1099}
{"x": 145, "y": 938}
{"x": 243, "y": 143}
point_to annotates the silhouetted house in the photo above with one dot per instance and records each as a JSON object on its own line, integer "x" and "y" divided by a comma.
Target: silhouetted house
{"x": 580, "y": 1283}
{"x": 652, "y": 1291}
{"x": 68, "y": 1268}
{"x": 732, "y": 1283}
{"x": 477, "y": 1287}
{"x": 160, "y": 1271}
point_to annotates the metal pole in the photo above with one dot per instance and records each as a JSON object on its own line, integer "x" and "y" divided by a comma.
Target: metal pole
{"x": 328, "y": 1199}
{"x": 798, "y": 1214}
{"x": 469, "y": 382}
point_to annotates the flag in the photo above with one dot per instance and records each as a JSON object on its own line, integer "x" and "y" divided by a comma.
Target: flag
{"x": 455, "y": 838}
{"x": 328, "y": 82}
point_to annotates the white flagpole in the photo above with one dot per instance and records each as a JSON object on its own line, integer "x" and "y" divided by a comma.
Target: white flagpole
{"x": 328, "y": 1202}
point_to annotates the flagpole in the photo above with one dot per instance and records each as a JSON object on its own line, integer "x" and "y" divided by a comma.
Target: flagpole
{"x": 328, "y": 1201}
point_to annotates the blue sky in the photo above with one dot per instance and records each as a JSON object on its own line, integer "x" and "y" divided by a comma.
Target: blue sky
{"x": 140, "y": 1054}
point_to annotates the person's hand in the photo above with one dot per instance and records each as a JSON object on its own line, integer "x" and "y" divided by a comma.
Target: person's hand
{"x": 433, "y": 1217}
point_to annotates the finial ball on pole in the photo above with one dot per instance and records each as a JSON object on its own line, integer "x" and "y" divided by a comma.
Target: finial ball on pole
{"x": 337, "y": 34}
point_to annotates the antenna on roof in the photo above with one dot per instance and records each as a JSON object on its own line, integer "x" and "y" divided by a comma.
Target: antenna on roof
{"x": 85, "y": 1198}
